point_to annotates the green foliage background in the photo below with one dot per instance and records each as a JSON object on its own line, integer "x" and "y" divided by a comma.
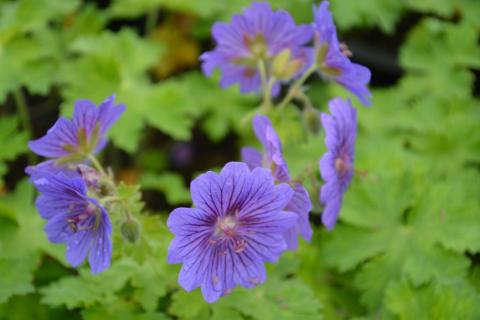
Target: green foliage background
{"x": 408, "y": 243}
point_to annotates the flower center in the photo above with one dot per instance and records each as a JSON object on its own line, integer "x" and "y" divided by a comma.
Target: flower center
{"x": 321, "y": 57}
{"x": 79, "y": 222}
{"x": 342, "y": 165}
{"x": 257, "y": 45}
{"x": 226, "y": 226}
{"x": 85, "y": 144}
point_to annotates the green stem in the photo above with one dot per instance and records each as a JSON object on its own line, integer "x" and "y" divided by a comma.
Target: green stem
{"x": 296, "y": 87}
{"x": 267, "y": 93}
{"x": 98, "y": 166}
{"x": 262, "y": 68}
{"x": 109, "y": 179}
{"x": 305, "y": 100}
{"x": 24, "y": 118}
{"x": 110, "y": 199}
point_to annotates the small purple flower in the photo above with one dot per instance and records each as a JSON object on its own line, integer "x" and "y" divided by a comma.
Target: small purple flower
{"x": 258, "y": 34}
{"x": 235, "y": 227}
{"x": 272, "y": 159}
{"x": 336, "y": 166}
{"x": 74, "y": 140}
{"x": 331, "y": 56}
{"x": 75, "y": 219}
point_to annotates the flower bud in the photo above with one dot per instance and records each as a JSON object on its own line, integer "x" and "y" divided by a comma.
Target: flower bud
{"x": 130, "y": 230}
{"x": 311, "y": 118}
{"x": 283, "y": 67}
{"x": 90, "y": 175}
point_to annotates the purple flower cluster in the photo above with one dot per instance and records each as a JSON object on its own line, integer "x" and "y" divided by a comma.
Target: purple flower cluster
{"x": 260, "y": 35}
{"x": 69, "y": 188}
{"x": 251, "y": 212}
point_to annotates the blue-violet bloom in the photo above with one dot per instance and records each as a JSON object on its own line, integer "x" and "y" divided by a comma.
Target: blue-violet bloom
{"x": 331, "y": 57}
{"x": 336, "y": 166}
{"x": 236, "y": 226}
{"x": 259, "y": 34}
{"x": 272, "y": 158}
{"x": 75, "y": 219}
{"x": 85, "y": 134}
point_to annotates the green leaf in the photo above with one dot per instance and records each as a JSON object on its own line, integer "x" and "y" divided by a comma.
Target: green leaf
{"x": 22, "y": 241}
{"x": 368, "y": 13}
{"x": 171, "y": 184}
{"x": 86, "y": 289}
{"x": 29, "y": 60}
{"x": 122, "y": 310}
{"x": 443, "y": 300}
{"x": 22, "y": 307}
{"x": 217, "y": 119}
{"x": 133, "y": 54}
{"x": 31, "y": 15}
{"x": 197, "y": 307}
{"x": 277, "y": 298}
{"x": 441, "y": 7}
{"x": 13, "y": 142}
{"x": 433, "y": 45}
{"x": 17, "y": 276}
{"x": 169, "y": 109}
{"x": 113, "y": 63}
{"x": 406, "y": 232}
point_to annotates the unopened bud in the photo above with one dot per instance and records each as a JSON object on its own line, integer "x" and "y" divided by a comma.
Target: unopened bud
{"x": 311, "y": 118}
{"x": 90, "y": 175}
{"x": 130, "y": 230}
{"x": 283, "y": 67}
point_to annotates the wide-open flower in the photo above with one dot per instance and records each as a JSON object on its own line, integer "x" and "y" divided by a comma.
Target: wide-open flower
{"x": 272, "y": 158}
{"x": 336, "y": 166}
{"x": 85, "y": 134}
{"x": 332, "y": 60}
{"x": 75, "y": 219}
{"x": 235, "y": 227}
{"x": 258, "y": 34}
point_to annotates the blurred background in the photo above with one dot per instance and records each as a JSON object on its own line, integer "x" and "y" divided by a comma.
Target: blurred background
{"x": 408, "y": 243}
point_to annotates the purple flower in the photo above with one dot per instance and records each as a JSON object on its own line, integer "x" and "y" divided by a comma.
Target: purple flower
{"x": 273, "y": 160}
{"x": 257, "y": 34}
{"x": 331, "y": 57}
{"x": 74, "y": 140}
{"x": 336, "y": 166}
{"x": 235, "y": 227}
{"x": 75, "y": 219}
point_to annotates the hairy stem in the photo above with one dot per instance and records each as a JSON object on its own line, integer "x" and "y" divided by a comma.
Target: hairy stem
{"x": 262, "y": 69}
{"x": 109, "y": 178}
{"x": 296, "y": 87}
{"x": 98, "y": 166}
{"x": 267, "y": 94}
{"x": 307, "y": 103}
